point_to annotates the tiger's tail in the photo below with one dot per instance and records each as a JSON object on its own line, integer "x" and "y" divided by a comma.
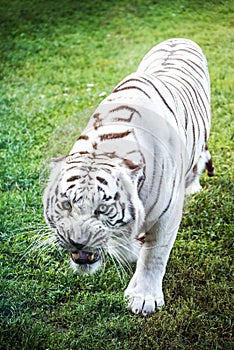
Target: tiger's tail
{"x": 209, "y": 164}
{"x": 204, "y": 162}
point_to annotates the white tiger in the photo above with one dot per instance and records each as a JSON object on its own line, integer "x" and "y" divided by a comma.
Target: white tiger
{"x": 121, "y": 189}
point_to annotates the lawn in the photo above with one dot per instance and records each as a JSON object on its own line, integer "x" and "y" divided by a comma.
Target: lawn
{"x": 58, "y": 60}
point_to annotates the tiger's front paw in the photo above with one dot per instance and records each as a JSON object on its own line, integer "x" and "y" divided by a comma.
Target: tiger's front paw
{"x": 140, "y": 302}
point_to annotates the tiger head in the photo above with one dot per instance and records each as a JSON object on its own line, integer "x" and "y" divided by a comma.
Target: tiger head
{"x": 92, "y": 205}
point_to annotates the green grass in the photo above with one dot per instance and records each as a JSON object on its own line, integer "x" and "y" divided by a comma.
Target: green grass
{"x": 50, "y": 52}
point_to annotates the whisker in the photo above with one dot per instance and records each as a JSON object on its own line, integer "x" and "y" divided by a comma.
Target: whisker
{"x": 29, "y": 229}
{"x": 117, "y": 253}
{"x": 114, "y": 258}
{"x": 123, "y": 262}
{"x": 126, "y": 248}
{"x": 107, "y": 252}
{"x": 42, "y": 242}
{"x": 103, "y": 261}
{"x": 121, "y": 248}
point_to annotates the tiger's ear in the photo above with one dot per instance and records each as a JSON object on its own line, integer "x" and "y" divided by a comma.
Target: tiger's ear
{"x": 56, "y": 165}
{"x": 56, "y": 161}
{"x": 55, "y": 168}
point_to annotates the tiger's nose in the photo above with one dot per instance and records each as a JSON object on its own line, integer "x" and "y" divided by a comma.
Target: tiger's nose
{"x": 78, "y": 246}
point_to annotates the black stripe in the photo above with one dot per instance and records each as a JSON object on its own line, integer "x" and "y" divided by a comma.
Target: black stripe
{"x": 187, "y": 62}
{"x": 47, "y": 203}
{"x": 195, "y": 52}
{"x": 112, "y": 136}
{"x": 196, "y": 92}
{"x": 71, "y": 168}
{"x": 154, "y": 173}
{"x": 196, "y": 102}
{"x": 169, "y": 202}
{"x": 62, "y": 238}
{"x": 132, "y": 211}
{"x": 109, "y": 165}
{"x": 170, "y": 109}
{"x": 73, "y": 178}
{"x": 103, "y": 181}
{"x": 171, "y": 51}
{"x": 166, "y": 73}
{"x": 118, "y": 88}
{"x": 120, "y": 221}
{"x": 130, "y": 109}
{"x": 70, "y": 187}
{"x": 81, "y": 161}
{"x": 189, "y": 99}
{"x": 183, "y": 99}
{"x": 56, "y": 190}
{"x": 191, "y": 161}
{"x": 127, "y": 81}
{"x": 83, "y": 137}
{"x": 56, "y": 211}
{"x": 158, "y": 191}
{"x": 132, "y": 87}
{"x": 117, "y": 196}
{"x": 112, "y": 217}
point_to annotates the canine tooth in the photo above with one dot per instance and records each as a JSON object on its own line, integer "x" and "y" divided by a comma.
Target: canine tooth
{"x": 91, "y": 257}
{"x": 75, "y": 256}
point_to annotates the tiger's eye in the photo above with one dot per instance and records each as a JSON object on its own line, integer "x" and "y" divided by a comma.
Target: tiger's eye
{"x": 102, "y": 208}
{"x": 66, "y": 205}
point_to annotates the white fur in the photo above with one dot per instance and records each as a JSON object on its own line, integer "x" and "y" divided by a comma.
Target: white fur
{"x": 143, "y": 132}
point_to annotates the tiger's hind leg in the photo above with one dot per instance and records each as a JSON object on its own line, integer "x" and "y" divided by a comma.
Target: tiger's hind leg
{"x": 205, "y": 161}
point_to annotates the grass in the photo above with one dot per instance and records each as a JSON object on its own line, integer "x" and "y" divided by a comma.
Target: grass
{"x": 50, "y": 54}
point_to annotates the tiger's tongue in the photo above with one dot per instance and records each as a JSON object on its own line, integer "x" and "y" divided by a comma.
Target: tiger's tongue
{"x": 83, "y": 255}
{"x": 80, "y": 256}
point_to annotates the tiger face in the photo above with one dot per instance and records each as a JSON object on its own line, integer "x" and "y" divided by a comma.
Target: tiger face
{"x": 94, "y": 208}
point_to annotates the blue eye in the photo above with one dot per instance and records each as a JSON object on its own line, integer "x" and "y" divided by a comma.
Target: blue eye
{"x": 102, "y": 208}
{"x": 66, "y": 205}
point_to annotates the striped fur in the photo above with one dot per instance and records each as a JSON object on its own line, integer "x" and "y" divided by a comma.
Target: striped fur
{"x": 121, "y": 189}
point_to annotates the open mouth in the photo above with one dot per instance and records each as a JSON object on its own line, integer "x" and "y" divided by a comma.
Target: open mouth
{"x": 83, "y": 258}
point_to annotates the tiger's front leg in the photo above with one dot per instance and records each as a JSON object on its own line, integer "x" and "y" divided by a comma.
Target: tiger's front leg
{"x": 144, "y": 292}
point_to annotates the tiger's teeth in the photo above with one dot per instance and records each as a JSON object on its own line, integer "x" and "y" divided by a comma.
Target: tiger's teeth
{"x": 75, "y": 256}
{"x": 91, "y": 257}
